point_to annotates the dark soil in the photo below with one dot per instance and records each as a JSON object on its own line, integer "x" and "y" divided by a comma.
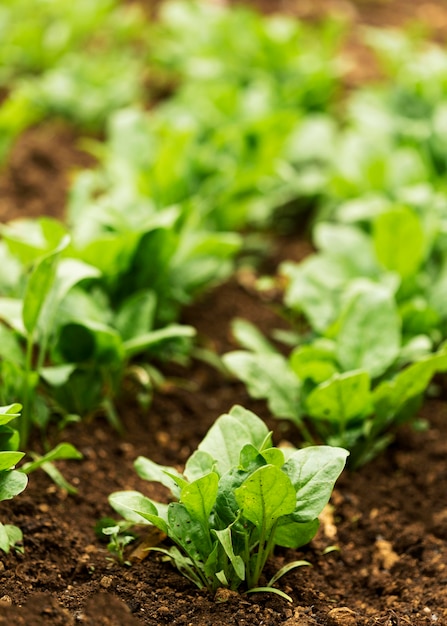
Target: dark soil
{"x": 388, "y": 521}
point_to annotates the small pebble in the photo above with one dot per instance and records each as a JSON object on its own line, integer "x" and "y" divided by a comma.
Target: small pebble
{"x": 106, "y": 581}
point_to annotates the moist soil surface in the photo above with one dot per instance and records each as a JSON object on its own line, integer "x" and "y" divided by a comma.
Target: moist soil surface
{"x": 388, "y": 521}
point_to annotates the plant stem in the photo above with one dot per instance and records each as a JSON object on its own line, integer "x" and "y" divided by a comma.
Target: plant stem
{"x": 24, "y": 422}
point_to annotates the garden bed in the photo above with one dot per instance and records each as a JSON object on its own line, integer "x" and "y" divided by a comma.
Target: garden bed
{"x": 388, "y": 520}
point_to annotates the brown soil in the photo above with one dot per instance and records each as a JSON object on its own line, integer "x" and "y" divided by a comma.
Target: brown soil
{"x": 388, "y": 521}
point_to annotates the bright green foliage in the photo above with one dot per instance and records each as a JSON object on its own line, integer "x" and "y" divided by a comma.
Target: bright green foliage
{"x": 237, "y": 498}
{"x": 65, "y": 314}
{"x": 356, "y": 407}
{"x": 62, "y": 60}
{"x": 12, "y": 482}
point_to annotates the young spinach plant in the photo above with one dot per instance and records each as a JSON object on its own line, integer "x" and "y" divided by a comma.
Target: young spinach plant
{"x": 12, "y": 481}
{"x": 237, "y": 499}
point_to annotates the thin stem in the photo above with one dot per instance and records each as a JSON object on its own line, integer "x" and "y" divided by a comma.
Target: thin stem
{"x": 24, "y": 422}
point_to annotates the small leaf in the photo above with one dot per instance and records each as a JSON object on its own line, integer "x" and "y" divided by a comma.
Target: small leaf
{"x": 340, "y": 399}
{"x": 136, "y": 508}
{"x": 8, "y": 460}
{"x": 395, "y": 233}
{"x": 267, "y": 376}
{"x": 199, "y": 497}
{"x": 229, "y": 434}
{"x": 11, "y": 484}
{"x": 237, "y": 562}
{"x": 148, "y": 470}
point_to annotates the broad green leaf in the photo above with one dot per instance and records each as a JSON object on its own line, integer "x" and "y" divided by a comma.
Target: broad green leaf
{"x": 399, "y": 241}
{"x": 316, "y": 361}
{"x": 39, "y": 285}
{"x": 8, "y": 459}
{"x": 199, "y": 497}
{"x": 198, "y": 464}
{"x": 188, "y": 532}
{"x": 136, "y": 315}
{"x": 267, "y": 376}
{"x": 136, "y": 508}
{"x": 68, "y": 273}
{"x": 228, "y": 435}
{"x": 314, "y": 288}
{"x": 11, "y": 484}
{"x": 291, "y": 533}
{"x": 273, "y": 456}
{"x": 410, "y": 383}
{"x": 369, "y": 333}
{"x": 250, "y": 458}
{"x": 313, "y": 472}
{"x": 85, "y": 340}
{"x": 9, "y": 537}
{"x": 346, "y": 245}
{"x": 341, "y": 398}
{"x": 265, "y": 496}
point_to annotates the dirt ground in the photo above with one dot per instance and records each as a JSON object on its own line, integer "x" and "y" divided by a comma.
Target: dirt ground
{"x": 388, "y": 521}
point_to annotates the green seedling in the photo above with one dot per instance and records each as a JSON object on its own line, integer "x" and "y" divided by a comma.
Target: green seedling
{"x": 118, "y": 536}
{"x": 12, "y": 481}
{"x": 237, "y": 499}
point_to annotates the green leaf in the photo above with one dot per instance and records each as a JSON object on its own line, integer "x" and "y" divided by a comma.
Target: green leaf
{"x": 265, "y": 496}
{"x": 229, "y": 434}
{"x": 391, "y": 395}
{"x": 273, "y": 456}
{"x": 291, "y": 533}
{"x": 342, "y": 398}
{"x": 198, "y": 464}
{"x": 10, "y": 412}
{"x": 314, "y": 288}
{"x": 369, "y": 333}
{"x": 9, "y": 537}
{"x": 199, "y": 497}
{"x": 11, "y": 484}
{"x": 316, "y": 361}
{"x": 188, "y": 532}
{"x": 85, "y": 340}
{"x": 136, "y": 316}
{"x": 148, "y": 340}
{"x": 250, "y": 338}
{"x": 148, "y": 470}
{"x": 39, "y": 285}
{"x": 9, "y": 459}
{"x": 267, "y": 376}
{"x": 62, "y": 451}
{"x": 236, "y": 561}
{"x": 399, "y": 241}
{"x": 136, "y": 508}
{"x": 313, "y": 472}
